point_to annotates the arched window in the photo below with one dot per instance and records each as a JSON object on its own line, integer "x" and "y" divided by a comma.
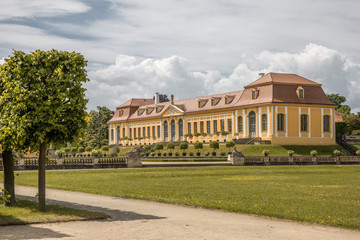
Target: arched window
{"x": 252, "y": 124}
{"x": 300, "y": 92}
{"x": 281, "y": 122}
{"x": 181, "y": 129}
{"x": 264, "y": 122}
{"x": 165, "y": 130}
{"x": 304, "y": 123}
{"x": 172, "y": 130}
{"x": 326, "y": 123}
{"x": 240, "y": 124}
{"x": 118, "y": 134}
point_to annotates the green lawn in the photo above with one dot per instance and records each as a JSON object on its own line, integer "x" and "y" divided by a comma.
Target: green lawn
{"x": 256, "y": 150}
{"x": 328, "y": 195}
{"x": 26, "y": 212}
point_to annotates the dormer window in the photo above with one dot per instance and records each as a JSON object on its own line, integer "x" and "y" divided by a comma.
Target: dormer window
{"x": 229, "y": 99}
{"x": 300, "y": 92}
{"x": 254, "y": 93}
{"x": 140, "y": 111}
{"x": 202, "y": 103}
{"x": 159, "y": 108}
{"x": 215, "y": 100}
{"x": 120, "y": 113}
{"x": 149, "y": 110}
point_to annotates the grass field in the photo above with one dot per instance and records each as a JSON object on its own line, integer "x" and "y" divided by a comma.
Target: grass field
{"x": 328, "y": 195}
{"x": 256, "y": 150}
{"x": 26, "y": 212}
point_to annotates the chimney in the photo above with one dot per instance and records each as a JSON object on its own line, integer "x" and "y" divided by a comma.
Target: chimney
{"x": 172, "y": 99}
{"x": 261, "y": 74}
{"x": 157, "y": 98}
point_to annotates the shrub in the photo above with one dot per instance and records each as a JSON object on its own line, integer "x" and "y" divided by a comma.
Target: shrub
{"x": 152, "y": 154}
{"x": 191, "y": 154}
{"x": 147, "y": 147}
{"x": 183, "y": 146}
{"x": 291, "y": 152}
{"x": 230, "y": 144}
{"x": 223, "y": 153}
{"x": 198, "y": 145}
{"x": 67, "y": 150}
{"x": 77, "y": 155}
{"x": 177, "y": 154}
{"x": 313, "y": 153}
{"x": 104, "y": 142}
{"x": 73, "y": 150}
{"x": 214, "y": 145}
{"x": 159, "y": 146}
{"x": 142, "y": 154}
{"x": 266, "y": 152}
{"x": 94, "y": 153}
{"x": 88, "y": 149}
{"x": 81, "y": 149}
{"x": 99, "y": 153}
{"x": 207, "y": 154}
{"x": 224, "y": 133}
{"x": 60, "y": 153}
{"x": 197, "y": 134}
{"x": 164, "y": 154}
{"x": 337, "y": 152}
{"x": 105, "y": 148}
{"x": 170, "y": 146}
{"x": 358, "y": 152}
{"x": 113, "y": 152}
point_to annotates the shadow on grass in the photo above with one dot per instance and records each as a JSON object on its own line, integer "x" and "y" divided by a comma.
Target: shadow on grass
{"x": 116, "y": 215}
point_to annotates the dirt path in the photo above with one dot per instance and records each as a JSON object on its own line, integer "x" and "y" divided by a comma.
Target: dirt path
{"x": 136, "y": 219}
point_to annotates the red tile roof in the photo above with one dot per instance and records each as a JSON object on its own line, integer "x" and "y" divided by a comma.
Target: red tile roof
{"x": 282, "y": 78}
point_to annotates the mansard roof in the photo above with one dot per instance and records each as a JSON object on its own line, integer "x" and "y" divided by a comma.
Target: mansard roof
{"x": 282, "y": 78}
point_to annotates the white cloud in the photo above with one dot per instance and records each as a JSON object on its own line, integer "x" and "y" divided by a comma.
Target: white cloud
{"x": 2, "y": 61}
{"x": 131, "y": 77}
{"x": 40, "y": 8}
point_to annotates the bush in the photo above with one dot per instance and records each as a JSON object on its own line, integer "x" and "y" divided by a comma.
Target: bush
{"x": 88, "y": 149}
{"x": 142, "y": 154}
{"x": 198, "y": 145}
{"x": 100, "y": 153}
{"x": 291, "y": 152}
{"x": 207, "y": 154}
{"x": 177, "y": 154}
{"x": 94, "y": 153}
{"x": 266, "y": 152}
{"x": 146, "y": 147}
{"x": 230, "y": 144}
{"x": 223, "y": 153}
{"x": 159, "y": 146}
{"x": 67, "y": 150}
{"x": 73, "y": 150}
{"x": 104, "y": 142}
{"x": 152, "y": 154}
{"x": 105, "y": 148}
{"x": 113, "y": 152}
{"x": 313, "y": 153}
{"x": 81, "y": 149}
{"x": 337, "y": 152}
{"x": 197, "y": 134}
{"x": 60, "y": 153}
{"x": 183, "y": 146}
{"x": 170, "y": 146}
{"x": 358, "y": 152}
{"x": 214, "y": 145}
{"x": 191, "y": 154}
{"x": 164, "y": 154}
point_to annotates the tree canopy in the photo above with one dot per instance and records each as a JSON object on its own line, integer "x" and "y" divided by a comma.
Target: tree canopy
{"x": 339, "y": 100}
{"x": 98, "y": 129}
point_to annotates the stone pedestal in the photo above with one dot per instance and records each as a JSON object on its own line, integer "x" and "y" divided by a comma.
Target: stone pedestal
{"x": 96, "y": 161}
{"x": 237, "y": 158}
{"x": 314, "y": 160}
{"x": 267, "y": 160}
{"x": 60, "y": 161}
{"x": 21, "y": 162}
{"x": 291, "y": 160}
{"x": 134, "y": 158}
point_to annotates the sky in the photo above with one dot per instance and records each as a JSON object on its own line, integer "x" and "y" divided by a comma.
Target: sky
{"x": 191, "y": 48}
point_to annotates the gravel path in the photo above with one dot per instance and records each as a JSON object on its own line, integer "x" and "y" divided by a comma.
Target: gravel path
{"x": 136, "y": 219}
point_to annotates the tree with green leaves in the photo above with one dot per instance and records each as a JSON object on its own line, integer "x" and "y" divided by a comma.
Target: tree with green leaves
{"x": 170, "y": 146}
{"x": 339, "y": 100}
{"x": 230, "y": 144}
{"x": 214, "y": 145}
{"x": 47, "y": 101}
{"x": 98, "y": 130}
{"x": 198, "y": 145}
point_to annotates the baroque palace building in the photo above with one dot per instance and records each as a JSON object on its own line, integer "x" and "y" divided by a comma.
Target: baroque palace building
{"x": 279, "y": 108}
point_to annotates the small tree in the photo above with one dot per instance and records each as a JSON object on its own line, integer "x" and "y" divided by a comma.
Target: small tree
{"x": 170, "y": 146}
{"x": 198, "y": 145}
{"x": 230, "y": 144}
{"x": 81, "y": 149}
{"x": 105, "y": 148}
{"x": 337, "y": 152}
{"x": 88, "y": 149}
{"x": 313, "y": 153}
{"x": 159, "y": 146}
{"x": 183, "y": 146}
{"x": 73, "y": 150}
{"x": 67, "y": 150}
{"x": 214, "y": 145}
{"x": 291, "y": 152}
{"x": 266, "y": 153}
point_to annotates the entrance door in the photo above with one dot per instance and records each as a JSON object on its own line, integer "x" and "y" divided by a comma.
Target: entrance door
{"x": 252, "y": 124}
{"x": 172, "y": 130}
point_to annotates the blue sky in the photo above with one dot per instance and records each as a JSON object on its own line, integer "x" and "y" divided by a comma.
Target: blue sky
{"x": 191, "y": 48}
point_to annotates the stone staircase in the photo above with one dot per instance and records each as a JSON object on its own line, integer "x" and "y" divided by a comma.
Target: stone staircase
{"x": 346, "y": 146}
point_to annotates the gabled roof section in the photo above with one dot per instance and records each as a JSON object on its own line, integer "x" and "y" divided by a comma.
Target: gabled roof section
{"x": 137, "y": 102}
{"x": 282, "y": 78}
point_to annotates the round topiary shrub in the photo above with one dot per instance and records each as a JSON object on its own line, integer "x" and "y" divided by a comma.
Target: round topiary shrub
{"x": 223, "y": 153}
{"x": 291, "y": 152}
{"x": 164, "y": 154}
{"x": 88, "y": 149}
{"x": 313, "y": 153}
{"x": 105, "y": 148}
{"x": 177, "y": 154}
{"x": 337, "y": 152}
{"x": 266, "y": 153}
{"x": 191, "y": 154}
{"x": 214, "y": 145}
{"x": 183, "y": 146}
{"x": 81, "y": 149}
{"x": 152, "y": 154}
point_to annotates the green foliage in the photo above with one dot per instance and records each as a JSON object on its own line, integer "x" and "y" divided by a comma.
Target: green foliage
{"x": 198, "y": 145}
{"x": 291, "y": 152}
{"x": 146, "y": 147}
{"x": 170, "y": 146}
{"x": 81, "y": 149}
{"x": 230, "y": 144}
{"x": 73, "y": 150}
{"x": 164, "y": 154}
{"x": 340, "y": 128}
{"x": 177, "y": 154}
{"x": 97, "y": 133}
{"x": 357, "y": 152}
{"x": 105, "y": 148}
{"x": 88, "y": 149}
{"x": 197, "y": 134}
{"x": 191, "y": 154}
{"x": 313, "y": 153}
{"x": 224, "y": 133}
{"x": 104, "y": 142}
{"x": 207, "y": 153}
{"x": 346, "y": 109}
{"x": 339, "y": 100}
{"x": 113, "y": 153}
{"x": 183, "y": 146}
{"x": 159, "y": 146}
{"x": 337, "y": 153}
{"x": 266, "y": 152}
{"x": 60, "y": 153}
{"x": 214, "y": 145}
{"x": 152, "y": 154}
{"x": 4, "y": 197}
{"x": 223, "y": 153}
{"x": 352, "y": 122}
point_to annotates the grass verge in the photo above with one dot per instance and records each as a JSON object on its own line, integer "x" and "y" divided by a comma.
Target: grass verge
{"x": 328, "y": 195}
{"x": 26, "y": 212}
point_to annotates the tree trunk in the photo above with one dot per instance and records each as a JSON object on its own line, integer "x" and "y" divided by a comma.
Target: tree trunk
{"x": 9, "y": 179}
{"x": 41, "y": 177}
